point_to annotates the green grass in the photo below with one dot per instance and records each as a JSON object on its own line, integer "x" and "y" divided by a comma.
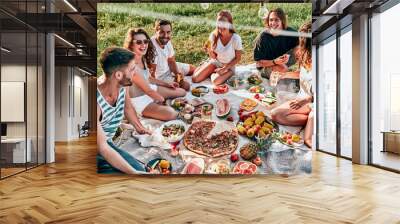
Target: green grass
{"x": 114, "y": 20}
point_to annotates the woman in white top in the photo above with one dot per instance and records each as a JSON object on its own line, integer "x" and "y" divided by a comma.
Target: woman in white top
{"x": 300, "y": 111}
{"x": 224, "y": 48}
{"x": 147, "y": 93}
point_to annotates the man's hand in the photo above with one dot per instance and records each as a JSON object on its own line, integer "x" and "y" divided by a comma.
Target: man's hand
{"x": 172, "y": 85}
{"x": 142, "y": 130}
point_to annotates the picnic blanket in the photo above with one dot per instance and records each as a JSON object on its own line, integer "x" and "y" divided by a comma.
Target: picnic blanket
{"x": 279, "y": 159}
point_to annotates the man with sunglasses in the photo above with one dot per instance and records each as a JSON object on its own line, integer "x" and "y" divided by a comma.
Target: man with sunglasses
{"x": 166, "y": 67}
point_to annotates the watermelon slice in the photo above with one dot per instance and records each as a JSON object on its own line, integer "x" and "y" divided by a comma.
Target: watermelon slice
{"x": 223, "y": 108}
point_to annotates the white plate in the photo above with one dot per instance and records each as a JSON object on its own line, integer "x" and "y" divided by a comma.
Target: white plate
{"x": 172, "y": 139}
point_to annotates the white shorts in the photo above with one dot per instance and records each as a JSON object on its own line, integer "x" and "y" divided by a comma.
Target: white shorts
{"x": 218, "y": 64}
{"x": 169, "y": 77}
{"x": 141, "y": 102}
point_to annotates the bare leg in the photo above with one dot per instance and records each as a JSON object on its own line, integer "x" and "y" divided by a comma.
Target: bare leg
{"x": 309, "y": 130}
{"x": 218, "y": 79}
{"x": 185, "y": 86}
{"x": 159, "y": 112}
{"x": 192, "y": 68}
{"x": 284, "y": 115}
{"x": 203, "y": 72}
{"x": 170, "y": 93}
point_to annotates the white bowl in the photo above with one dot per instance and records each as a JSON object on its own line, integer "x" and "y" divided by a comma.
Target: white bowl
{"x": 175, "y": 138}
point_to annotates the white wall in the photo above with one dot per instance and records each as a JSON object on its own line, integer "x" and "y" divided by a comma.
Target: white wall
{"x": 69, "y": 81}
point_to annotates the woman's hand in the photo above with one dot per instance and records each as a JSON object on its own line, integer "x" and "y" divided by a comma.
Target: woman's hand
{"x": 222, "y": 70}
{"x": 172, "y": 85}
{"x": 158, "y": 98}
{"x": 211, "y": 53}
{"x": 282, "y": 60}
{"x": 298, "y": 103}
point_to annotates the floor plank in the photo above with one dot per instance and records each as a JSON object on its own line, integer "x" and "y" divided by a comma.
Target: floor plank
{"x": 70, "y": 191}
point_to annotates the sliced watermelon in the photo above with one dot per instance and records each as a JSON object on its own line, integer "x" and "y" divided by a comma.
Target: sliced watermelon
{"x": 223, "y": 108}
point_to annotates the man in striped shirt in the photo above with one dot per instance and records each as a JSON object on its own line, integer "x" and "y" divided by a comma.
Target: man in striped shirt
{"x": 118, "y": 65}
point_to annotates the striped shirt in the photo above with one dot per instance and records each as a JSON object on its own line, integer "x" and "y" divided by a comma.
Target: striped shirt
{"x": 111, "y": 115}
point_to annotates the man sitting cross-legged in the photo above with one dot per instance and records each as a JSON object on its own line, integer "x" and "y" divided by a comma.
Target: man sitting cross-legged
{"x": 118, "y": 65}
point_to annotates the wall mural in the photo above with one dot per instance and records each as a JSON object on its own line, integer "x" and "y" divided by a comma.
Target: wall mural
{"x": 204, "y": 88}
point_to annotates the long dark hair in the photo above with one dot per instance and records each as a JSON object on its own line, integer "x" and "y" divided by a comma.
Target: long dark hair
{"x": 222, "y": 14}
{"x": 281, "y": 15}
{"x": 128, "y": 43}
{"x": 304, "y": 50}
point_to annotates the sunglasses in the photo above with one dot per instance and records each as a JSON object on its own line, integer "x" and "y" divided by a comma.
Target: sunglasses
{"x": 146, "y": 41}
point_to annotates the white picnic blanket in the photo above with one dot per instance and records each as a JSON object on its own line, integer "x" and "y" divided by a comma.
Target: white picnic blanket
{"x": 295, "y": 160}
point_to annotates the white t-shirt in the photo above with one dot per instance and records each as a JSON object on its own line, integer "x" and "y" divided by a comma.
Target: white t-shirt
{"x": 161, "y": 59}
{"x": 226, "y": 54}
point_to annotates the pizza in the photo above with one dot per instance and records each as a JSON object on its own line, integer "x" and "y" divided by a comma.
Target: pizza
{"x": 197, "y": 140}
{"x": 244, "y": 167}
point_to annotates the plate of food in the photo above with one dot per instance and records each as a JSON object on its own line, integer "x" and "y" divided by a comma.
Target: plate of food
{"x": 235, "y": 82}
{"x": 244, "y": 167}
{"x": 254, "y": 79}
{"x": 248, "y": 104}
{"x": 255, "y": 125}
{"x": 266, "y": 99}
{"x": 194, "y": 166}
{"x": 220, "y": 167}
{"x": 200, "y": 91}
{"x": 163, "y": 166}
{"x": 179, "y": 103}
{"x": 173, "y": 131}
{"x": 221, "y": 89}
{"x": 289, "y": 139}
{"x": 256, "y": 89}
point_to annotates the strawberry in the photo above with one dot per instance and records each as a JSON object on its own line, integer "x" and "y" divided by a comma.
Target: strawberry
{"x": 234, "y": 157}
{"x": 229, "y": 118}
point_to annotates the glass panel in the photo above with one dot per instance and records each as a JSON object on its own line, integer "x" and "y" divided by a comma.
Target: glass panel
{"x": 327, "y": 96}
{"x": 31, "y": 98}
{"x": 385, "y": 84}
{"x": 41, "y": 98}
{"x": 346, "y": 94}
{"x": 13, "y": 86}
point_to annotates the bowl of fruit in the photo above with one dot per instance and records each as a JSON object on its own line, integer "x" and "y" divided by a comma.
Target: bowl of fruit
{"x": 254, "y": 79}
{"x": 161, "y": 166}
{"x": 255, "y": 125}
{"x": 256, "y": 89}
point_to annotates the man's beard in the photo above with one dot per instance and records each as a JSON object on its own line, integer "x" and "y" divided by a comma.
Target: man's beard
{"x": 163, "y": 41}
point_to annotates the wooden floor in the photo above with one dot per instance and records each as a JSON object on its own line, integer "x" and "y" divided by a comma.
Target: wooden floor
{"x": 70, "y": 191}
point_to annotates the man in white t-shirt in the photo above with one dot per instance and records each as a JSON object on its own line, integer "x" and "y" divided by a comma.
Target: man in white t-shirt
{"x": 166, "y": 68}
